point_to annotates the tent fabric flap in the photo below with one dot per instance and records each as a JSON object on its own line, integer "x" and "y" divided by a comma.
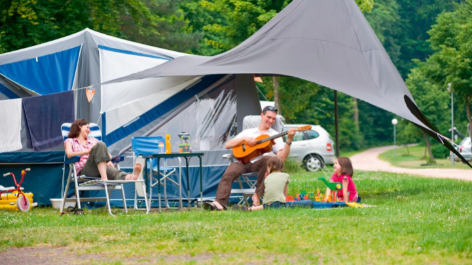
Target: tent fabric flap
{"x": 47, "y": 74}
{"x": 173, "y": 98}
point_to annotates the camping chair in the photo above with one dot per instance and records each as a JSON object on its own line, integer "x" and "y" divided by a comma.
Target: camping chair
{"x": 148, "y": 145}
{"x": 86, "y": 183}
{"x": 250, "y": 179}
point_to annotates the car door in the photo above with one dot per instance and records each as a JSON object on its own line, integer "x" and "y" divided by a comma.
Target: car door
{"x": 467, "y": 153}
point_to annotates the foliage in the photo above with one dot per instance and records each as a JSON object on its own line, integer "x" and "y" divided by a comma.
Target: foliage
{"x": 451, "y": 40}
{"x": 432, "y": 101}
{"x": 416, "y": 18}
{"x": 440, "y": 151}
{"x": 31, "y": 22}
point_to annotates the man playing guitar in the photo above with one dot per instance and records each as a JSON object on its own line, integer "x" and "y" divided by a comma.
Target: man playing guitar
{"x": 258, "y": 164}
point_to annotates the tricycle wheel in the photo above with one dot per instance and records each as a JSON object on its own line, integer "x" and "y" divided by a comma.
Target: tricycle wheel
{"x": 23, "y": 203}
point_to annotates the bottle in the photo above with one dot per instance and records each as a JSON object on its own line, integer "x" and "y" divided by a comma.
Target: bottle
{"x": 168, "y": 147}
{"x": 161, "y": 148}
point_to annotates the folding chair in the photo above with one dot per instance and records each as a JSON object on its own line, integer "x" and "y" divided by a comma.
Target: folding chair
{"x": 87, "y": 183}
{"x": 148, "y": 145}
{"x": 247, "y": 181}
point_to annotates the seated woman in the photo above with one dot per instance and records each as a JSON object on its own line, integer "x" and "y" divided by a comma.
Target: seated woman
{"x": 95, "y": 161}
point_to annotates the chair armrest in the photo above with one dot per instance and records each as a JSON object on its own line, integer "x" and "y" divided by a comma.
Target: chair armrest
{"x": 118, "y": 159}
{"x": 72, "y": 160}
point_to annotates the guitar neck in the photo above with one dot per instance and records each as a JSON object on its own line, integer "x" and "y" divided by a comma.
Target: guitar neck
{"x": 272, "y": 137}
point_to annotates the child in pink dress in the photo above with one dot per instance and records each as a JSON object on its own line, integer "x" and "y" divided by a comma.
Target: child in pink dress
{"x": 343, "y": 173}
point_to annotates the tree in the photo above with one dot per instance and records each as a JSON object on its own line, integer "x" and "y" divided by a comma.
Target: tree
{"x": 430, "y": 98}
{"x": 451, "y": 39}
{"x": 24, "y": 23}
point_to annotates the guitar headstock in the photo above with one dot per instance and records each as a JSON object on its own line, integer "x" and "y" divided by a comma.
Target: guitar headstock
{"x": 303, "y": 128}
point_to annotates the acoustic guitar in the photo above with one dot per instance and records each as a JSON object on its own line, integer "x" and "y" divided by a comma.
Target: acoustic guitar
{"x": 245, "y": 153}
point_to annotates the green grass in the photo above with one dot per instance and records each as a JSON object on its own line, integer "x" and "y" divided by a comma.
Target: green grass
{"x": 416, "y": 159}
{"x": 350, "y": 153}
{"x": 416, "y": 221}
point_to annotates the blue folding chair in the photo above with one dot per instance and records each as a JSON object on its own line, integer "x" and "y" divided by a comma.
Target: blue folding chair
{"x": 149, "y": 145}
{"x": 86, "y": 183}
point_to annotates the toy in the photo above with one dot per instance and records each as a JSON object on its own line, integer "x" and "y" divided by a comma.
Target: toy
{"x": 184, "y": 146}
{"x": 23, "y": 201}
{"x": 333, "y": 186}
{"x": 355, "y": 205}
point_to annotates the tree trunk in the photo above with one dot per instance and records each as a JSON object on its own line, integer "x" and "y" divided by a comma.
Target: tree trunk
{"x": 428, "y": 146}
{"x": 407, "y": 150}
{"x": 467, "y": 108}
{"x": 275, "y": 82}
{"x": 356, "y": 114}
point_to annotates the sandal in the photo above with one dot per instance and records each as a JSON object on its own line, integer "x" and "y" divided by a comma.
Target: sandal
{"x": 212, "y": 207}
{"x": 209, "y": 206}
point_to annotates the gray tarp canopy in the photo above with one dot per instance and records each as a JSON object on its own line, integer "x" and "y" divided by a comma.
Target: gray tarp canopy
{"x": 328, "y": 42}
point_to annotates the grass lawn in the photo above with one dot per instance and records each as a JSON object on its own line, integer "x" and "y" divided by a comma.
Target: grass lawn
{"x": 416, "y": 221}
{"x": 415, "y": 159}
{"x": 350, "y": 153}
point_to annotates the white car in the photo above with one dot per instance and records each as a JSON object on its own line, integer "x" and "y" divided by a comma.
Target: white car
{"x": 464, "y": 149}
{"x": 312, "y": 148}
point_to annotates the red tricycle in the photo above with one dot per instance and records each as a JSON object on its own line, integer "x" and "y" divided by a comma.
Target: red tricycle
{"x": 7, "y": 199}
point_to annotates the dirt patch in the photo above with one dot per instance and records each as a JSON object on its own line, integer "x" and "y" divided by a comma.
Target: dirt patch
{"x": 369, "y": 161}
{"x": 67, "y": 255}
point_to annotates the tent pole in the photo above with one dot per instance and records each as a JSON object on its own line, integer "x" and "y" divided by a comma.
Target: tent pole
{"x": 336, "y": 121}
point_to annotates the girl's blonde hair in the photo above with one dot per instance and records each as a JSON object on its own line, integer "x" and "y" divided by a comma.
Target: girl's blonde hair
{"x": 346, "y": 166}
{"x": 275, "y": 164}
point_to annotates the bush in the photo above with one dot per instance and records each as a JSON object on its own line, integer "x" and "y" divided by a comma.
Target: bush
{"x": 439, "y": 151}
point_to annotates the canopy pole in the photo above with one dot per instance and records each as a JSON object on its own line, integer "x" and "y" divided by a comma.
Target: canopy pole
{"x": 336, "y": 121}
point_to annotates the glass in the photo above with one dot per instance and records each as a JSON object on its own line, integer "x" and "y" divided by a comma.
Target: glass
{"x": 310, "y": 134}
{"x": 270, "y": 108}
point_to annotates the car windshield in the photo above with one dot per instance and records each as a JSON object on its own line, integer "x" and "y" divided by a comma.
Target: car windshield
{"x": 465, "y": 141}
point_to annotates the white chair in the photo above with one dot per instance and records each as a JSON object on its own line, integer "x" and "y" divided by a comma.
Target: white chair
{"x": 247, "y": 181}
{"x": 86, "y": 183}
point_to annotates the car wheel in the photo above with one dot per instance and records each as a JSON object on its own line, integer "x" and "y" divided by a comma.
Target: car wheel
{"x": 313, "y": 163}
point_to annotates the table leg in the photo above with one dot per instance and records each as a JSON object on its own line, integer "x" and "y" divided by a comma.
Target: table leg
{"x": 158, "y": 181}
{"x": 201, "y": 182}
{"x": 180, "y": 184}
{"x": 145, "y": 178}
{"x": 188, "y": 181}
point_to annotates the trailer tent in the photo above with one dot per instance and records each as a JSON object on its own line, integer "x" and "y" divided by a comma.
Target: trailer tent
{"x": 210, "y": 108}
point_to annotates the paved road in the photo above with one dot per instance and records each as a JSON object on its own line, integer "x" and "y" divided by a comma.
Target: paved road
{"x": 369, "y": 161}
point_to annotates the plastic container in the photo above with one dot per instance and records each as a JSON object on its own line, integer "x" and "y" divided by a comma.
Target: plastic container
{"x": 56, "y": 204}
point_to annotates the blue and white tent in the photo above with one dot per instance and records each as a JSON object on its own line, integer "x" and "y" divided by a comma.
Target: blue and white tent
{"x": 210, "y": 108}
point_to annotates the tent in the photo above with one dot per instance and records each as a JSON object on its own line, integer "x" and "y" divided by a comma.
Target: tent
{"x": 207, "y": 107}
{"x": 328, "y": 42}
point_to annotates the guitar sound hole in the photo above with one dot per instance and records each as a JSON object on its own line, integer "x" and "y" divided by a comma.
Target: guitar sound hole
{"x": 244, "y": 148}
